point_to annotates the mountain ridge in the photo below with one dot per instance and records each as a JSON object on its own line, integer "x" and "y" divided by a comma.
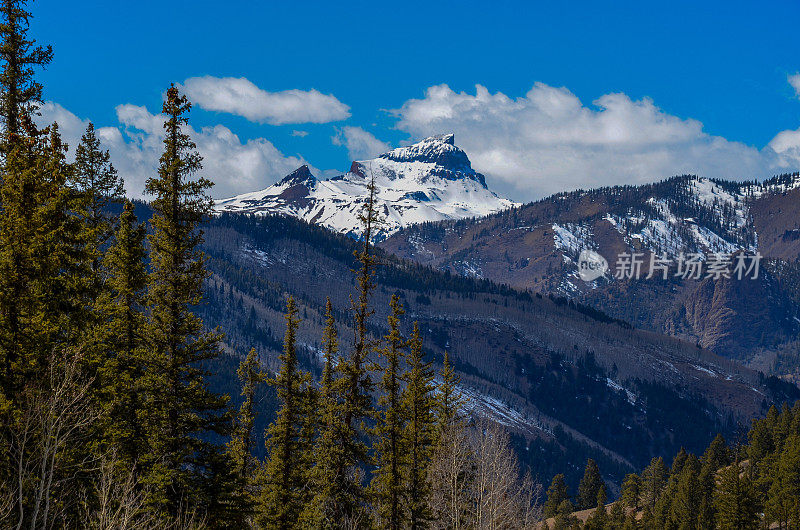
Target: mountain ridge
{"x": 537, "y": 246}
{"x": 431, "y": 180}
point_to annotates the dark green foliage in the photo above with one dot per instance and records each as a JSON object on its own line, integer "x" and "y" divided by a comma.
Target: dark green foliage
{"x": 331, "y": 501}
{"x": 180, "y": 406}
{"x": 121, "y": 341}
{"x": 419, "y": 435}
{"x": 735, "y": 498}
{"x": 590, "y": 485}
{"x": 241, "y": 444}
{"x": 389, "y": 444}
{"x": 557, "y": 494}
{"x": 284, "y": 473}
{"x": 19, "y": 55}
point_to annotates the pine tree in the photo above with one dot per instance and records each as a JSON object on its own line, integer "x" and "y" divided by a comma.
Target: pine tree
{"x": 418, "y": 402}
{"x": 96, "y": 184}
{"x": 783, "y": 496}
{"x": 631, "y": 491}
{"x": 180, "y": 407}
{"x": 448, "y": 400}
{"x": 589, "y": 486}
{"x": 557, "y": 493}
{"x": 356, "y": 384}
{"x": 734, "y": 499}
{"x": 281, "y": 503}
{"x": 686, "y": 503}
{"x": 19, "y": 54}
{"x": 654, "y": 479}
{"x": 387, "y": 484}
{"x": 240, "y": 447}
{"x": 122, "y": 336}
{"x": 329, "y": 505}
{"x": 599, "y": 519}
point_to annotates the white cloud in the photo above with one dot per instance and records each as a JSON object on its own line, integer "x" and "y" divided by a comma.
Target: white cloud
{"x": 794, "y": 80}
{"x": 549, "y": 141}
{"x": 241, "y": 97}
{"x": 301, "y": 134}
{"x": 136, "y": 145}
{"x": 360, "y": 144}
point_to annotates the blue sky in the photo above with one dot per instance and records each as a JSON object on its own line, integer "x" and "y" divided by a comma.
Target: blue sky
{"x": 689, "y": 88}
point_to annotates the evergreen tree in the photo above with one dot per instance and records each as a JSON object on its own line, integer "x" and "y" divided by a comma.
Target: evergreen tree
{"x": 387, "y": 484}
{"x": 281, "y": 503}
{"x": 654, "y": 479}
{"x": 356, "y": 384}
{"x": 20, "y": 93}
{"x": 589, "y": 486}
{"x": 631, "y": 491}
{"x": 329, "y": 505}
{"x": 180, "y": 407}
{"x": 783, "y": 496}
{"x": 599, "y": 519}
{"x": 557, "y": 493}
{"x": 686, "y": 503}
{"x": 240, "y": 447}
{"x": 96, "y": 184}
{"x": 418, "y": 402}
{"x": 122, "y": 337}
{"x": 448, "y": 400}
{"x": 734, "y": 499}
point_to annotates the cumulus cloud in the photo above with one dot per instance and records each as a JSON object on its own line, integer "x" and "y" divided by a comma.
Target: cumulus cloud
{"x": 301, "y": 134}
{"x": 549, "y": 141}
{"x": 360, "y": 144}
{"x": 794, "y": 80}
{"x": 239, "y": 96}
{"x": 235, "y": 166}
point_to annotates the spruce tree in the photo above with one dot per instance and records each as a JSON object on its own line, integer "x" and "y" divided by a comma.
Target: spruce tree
{"x": 389, "y": 447}
{"x": 735, "y": 500}
{"x": 631, "y": 491}
{"x": 96, "y": 184}
{"x": 448, "y": 399}
{"x": 20, "y": 93}
{"x": 180, "y": 407}
{"x": 589, "y": 486}
{"x": 556, "y": 494}
{"x": 281, "y": 503}
{"x": 122, "y": 337}
{"x": 331, "y": 502}
{"x": 654, "y": 479}
{"x": 419, "y": 405}
{"x": 686, "y": 503}
{"x": 240, "y": 447}
{"x": 356, "y": 384}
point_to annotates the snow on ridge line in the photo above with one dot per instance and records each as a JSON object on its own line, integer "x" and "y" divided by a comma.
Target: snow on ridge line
{"x": 428, "y": 181}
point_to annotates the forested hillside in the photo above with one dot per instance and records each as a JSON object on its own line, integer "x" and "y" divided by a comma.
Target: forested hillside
{"x": 162, "y": 367}
{"x": 750, "y": 484}
{"x": 537, "y": 246}
{"x": 568, "y": 381}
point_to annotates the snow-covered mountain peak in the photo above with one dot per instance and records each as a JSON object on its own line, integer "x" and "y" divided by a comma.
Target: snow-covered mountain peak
{"x": 301, "y": 176}
{"x": 431, "y": 180}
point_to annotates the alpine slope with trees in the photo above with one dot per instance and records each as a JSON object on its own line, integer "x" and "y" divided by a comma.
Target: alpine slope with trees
{"x": 108, "y": 417}
{"x": 126, "y": 400}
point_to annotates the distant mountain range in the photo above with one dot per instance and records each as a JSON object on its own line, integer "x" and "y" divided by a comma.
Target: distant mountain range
{"x": 568, "y": 381}
{"x": 432, "y": 180}
{"x": 536, "y": 246}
